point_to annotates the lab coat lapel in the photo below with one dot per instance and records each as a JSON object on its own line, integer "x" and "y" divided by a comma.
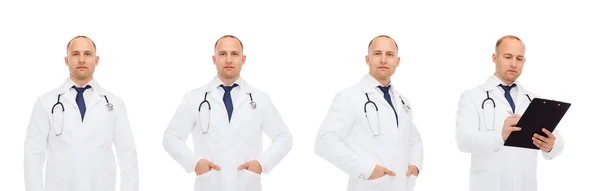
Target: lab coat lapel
{"x": 91, "y": 111}
{"x": 212, "y": 88}
{"x": 369, "y": 86}
{"x": 400, "y": 110}
{"x": 491, "y": 85}
{"x": 97, "y": 96}
{"x": 94, "y": 100}
{"x": 242, "y": 111}
{"x": 241, "y": 98}
{"x": 500, "y": 99}
{"x": 522, "y": 101}
{"x": 66, "y": 96}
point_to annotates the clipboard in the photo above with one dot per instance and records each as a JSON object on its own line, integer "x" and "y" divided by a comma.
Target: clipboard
{"x": 541, "y": 113}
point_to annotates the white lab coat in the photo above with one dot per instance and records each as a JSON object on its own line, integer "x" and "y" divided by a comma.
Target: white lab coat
{"x": 226, "y": 144}
{"x": 495, "y": 167}
{"x": 81, "y": 158}
{"x": 346, "y": 141}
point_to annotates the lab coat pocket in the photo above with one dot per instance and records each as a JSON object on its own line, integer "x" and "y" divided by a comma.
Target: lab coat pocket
{"x": 249, "y": 181}
{"x": 206, "y": 181}
{"x": 378, "y": 184}
{"x": 411, "y": 181}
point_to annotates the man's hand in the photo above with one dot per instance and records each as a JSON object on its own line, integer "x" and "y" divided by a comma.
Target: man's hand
{"x": 545, "y": 144}
{"x": 253, "y": 166}
{"x": 204, "y": 166}
{"x": 412, "y": 169}
{"x": 379, "y": 171}
{"x": 509, "y": 126}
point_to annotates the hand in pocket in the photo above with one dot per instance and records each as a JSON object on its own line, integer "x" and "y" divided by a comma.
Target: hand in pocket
{"x": 204, "y": 166}
{"x": 379, "y": 172}
{"x": 253, "y": 166}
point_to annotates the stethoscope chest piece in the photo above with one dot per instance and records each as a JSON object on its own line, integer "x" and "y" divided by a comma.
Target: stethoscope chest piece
{"x": 407, "y": 108}
{"x": 253, "y": 105}
{"x": 109, "y": 107}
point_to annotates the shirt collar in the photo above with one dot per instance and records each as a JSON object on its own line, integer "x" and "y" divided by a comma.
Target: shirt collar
{"x": 370, "y": 84}
{"x": 216, "y": 83}
{"x": 68, "y": 84}
{"x": 71, "y": 83}
{"x": 493, "y": 82}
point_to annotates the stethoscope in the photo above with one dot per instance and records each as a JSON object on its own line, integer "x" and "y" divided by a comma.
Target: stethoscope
{"x": 378, "y": 133}
{"x": 494, "y": 104}
{"x": 252, "y": 105}
{"x": 109, "y": 107}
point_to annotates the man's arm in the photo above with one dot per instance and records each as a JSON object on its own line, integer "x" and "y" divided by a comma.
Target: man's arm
{"x": 177, "y": 133}
{"x": 126, "y": 151}
{"x": 415, "y": 145}
{"x": 281, "y": 138}
{"x": 36, "y": 141}
{"x": 468, "y": 136}
{"x": 329, "y": 144}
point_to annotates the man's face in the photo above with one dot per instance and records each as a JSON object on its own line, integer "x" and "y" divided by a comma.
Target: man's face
{"x": 509, "y": 59}
{"x": 229, "y": 58}
{"x": 81, "y": 58}
{"x": 383, "y": 58}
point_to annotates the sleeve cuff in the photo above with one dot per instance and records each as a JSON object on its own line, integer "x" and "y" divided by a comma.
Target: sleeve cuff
{"x": 419, "y": 169}
{"x": 263, "y": 165}
{"x": 191, "y": 164}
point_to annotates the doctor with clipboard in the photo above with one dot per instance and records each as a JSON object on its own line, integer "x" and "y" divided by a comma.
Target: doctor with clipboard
{"x": 486, "y": 116}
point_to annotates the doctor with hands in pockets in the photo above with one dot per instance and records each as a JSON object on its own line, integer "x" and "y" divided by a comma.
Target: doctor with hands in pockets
{"x": 73, "y": 129}
{"x": 226, "y": 119}
{"x": 486, "y": 116}
{"x": 369, "y": 133}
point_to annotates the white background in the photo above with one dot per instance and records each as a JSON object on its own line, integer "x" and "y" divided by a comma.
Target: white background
{"x": 302, "y": 53}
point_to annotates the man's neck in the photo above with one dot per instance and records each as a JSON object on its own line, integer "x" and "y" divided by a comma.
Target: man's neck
{"x": 228, "y": 82}
{"x": 503, "y": 80}
{"x": 81, "y": 82}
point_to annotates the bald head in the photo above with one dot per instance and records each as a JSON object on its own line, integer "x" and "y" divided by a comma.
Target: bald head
{"x": 84, "y": 37}
{"x": 229, "y": 36}
{"x": 382, "y": 37}
{"x": 505, "y": 38}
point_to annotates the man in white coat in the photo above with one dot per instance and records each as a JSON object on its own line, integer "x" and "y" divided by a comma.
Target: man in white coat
{"x": 488, "y": 113}
{"x": 227, "y": 118}
{"x": 369, "y": 131}
{"x": 73, "y": 129}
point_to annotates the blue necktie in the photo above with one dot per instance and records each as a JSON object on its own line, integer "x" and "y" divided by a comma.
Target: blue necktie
{"x": 507, "y": 95}
{"x": 386, "y": 96}
{"x": 227, "y": 99}
{"x": 79, "y": 99}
